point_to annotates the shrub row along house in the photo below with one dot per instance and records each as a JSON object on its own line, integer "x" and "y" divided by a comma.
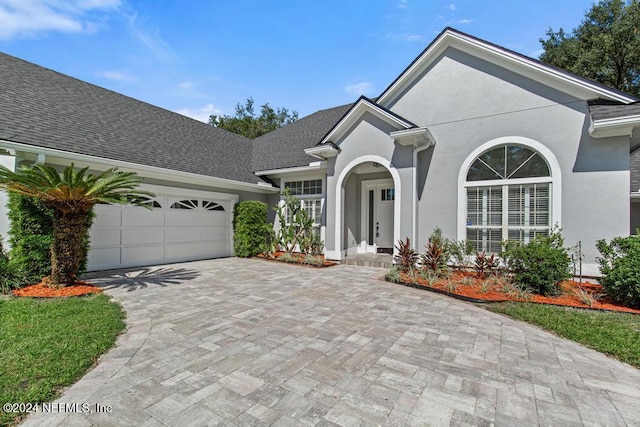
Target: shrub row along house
{"x": 472, "y": 138}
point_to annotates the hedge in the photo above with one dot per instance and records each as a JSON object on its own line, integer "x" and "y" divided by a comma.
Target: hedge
{"x": 250, "y": 228}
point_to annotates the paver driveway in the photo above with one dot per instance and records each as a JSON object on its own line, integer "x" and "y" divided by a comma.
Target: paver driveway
{"x": 248, "y": 342}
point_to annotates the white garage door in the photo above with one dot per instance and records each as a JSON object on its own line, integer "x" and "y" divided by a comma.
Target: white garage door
{"x": 177, "y": 228}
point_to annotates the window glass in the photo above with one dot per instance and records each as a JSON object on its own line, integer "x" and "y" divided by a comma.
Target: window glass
{"x": 507, "y": 211}
{"x": 185, "y": 204}
{"x": 507, "y": 162}
{"x": 304, "y": 188}
{"x": 211, "y": 206}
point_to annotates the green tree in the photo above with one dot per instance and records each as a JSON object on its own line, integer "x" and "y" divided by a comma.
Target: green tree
{"x": 246, "y": 122}
{"x": 71, "y": 197}
{"x": 605, "y": 47}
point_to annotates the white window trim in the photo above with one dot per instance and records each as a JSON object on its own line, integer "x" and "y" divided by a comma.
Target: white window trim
{"x": 554, "y": 179}
{"x": 322, "y": 196}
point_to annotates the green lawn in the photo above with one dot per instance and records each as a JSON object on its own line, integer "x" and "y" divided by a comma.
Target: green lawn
{"x": 46, "y": 345}
{"x": 615, "y": 334}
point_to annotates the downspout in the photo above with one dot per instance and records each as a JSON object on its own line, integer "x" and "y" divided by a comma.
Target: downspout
{"x": 415, "y": 192}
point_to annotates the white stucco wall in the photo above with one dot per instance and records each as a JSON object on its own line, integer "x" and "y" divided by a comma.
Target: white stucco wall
{"x": 466, "y": 102}
{"x": 367, "y": 141}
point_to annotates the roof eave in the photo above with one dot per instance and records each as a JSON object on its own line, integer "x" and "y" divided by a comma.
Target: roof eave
{"x": 527, "y": 66}
{"x": 417, "y": 137}
{"x": 312, "y": 167}
{"x": 619, "y": 126}
{"x": 323, "y": 152}
{"x": 359, "y": 107}
{"x": 154, "y": 172}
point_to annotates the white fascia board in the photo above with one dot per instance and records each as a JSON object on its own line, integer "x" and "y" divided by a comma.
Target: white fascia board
{"x": 519, "y": 64}
{"x": 313, "y": 167}
{"x": 418, "y": 137}
{"x": 145, "y": 171}
{"x": 356, "y": 112}
{"x": 322, "y": 152}
{"x": 619, "y": 126}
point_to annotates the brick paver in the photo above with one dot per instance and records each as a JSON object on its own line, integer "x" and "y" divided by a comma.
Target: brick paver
{"x": 249, "y": 342}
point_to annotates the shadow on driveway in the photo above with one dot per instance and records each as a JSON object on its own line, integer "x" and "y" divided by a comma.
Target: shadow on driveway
{"x": 142, "y": 277}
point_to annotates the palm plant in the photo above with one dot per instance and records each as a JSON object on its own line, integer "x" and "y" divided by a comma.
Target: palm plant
{"x": 71, "y": 196}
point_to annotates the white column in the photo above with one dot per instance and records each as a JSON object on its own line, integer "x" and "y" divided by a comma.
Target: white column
{"x": 8, "y": 162}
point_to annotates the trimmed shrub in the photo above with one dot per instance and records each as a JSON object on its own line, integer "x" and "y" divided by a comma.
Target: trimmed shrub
{"x": 250, "y": 228}
{"x": 540, "y": 264}
{"x": 620, "y": 268}
{"x": 30, "y": 237}
{"x": 6, "y": 275}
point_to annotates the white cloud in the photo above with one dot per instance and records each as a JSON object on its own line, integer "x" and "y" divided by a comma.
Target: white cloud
{"x": 452, "y": 6}
{"x": 201, "y": 114}
{"x": 357, "y": 89}
{"x": 465, "y": 21}
{"x": 186, "y": 85}
{"x": 118, "y": 76}
{"x": 414, "y": 38}
{"x": 405, "y": 37}
{"x": 402, "y": 4}
{"x": 150, "y": 37}
{"x": 30, "y": 18}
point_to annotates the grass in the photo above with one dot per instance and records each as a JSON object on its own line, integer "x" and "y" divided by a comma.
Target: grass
{"x": 615, "y": 334}
{"x": 48, "y": 344}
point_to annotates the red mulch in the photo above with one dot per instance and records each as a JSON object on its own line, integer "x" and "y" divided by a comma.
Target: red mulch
{"x": 42, "y": 290}
{"x": 494, "y": 293}
{"x": 298, "y": 258}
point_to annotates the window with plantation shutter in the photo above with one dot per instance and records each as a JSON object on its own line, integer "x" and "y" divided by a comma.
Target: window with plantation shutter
{"x": 508, "y": 197}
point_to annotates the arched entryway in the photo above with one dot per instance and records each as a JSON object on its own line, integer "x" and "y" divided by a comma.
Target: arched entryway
{"x": 368, "y": 206}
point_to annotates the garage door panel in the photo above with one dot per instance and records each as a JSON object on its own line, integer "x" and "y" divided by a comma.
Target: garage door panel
{"x": 215, "y": 249}
{"x": 181, "y": 219}
{"x": 183, "y": 251}
{"x": 107, "y": 216}
{"x": 138, "y": 255}
{"x": 104, "y": 257}
{"x": 215, "y": 233}
{"x": 215, "y": 218}
{"x": 141, "y": 236}
{"x": 141, "y": 217}
{"x": 105, "y": 237}
{"x": 126, "y": 236}
{"x": 182, "y": 234}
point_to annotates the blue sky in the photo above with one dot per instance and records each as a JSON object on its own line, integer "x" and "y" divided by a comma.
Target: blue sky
{"x": 199, "y": 57}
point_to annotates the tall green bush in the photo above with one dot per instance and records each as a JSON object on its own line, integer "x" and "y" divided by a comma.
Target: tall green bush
{"x": 6, "y": 274}
{"x": 30, "y": 238}
{"x": 620, "y": 268}
{"x": 250, "y": 228}
{"x": 539, "y": 265}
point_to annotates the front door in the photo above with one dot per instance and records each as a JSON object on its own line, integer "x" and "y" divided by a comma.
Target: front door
{"x": 378, "y": 199}
{"x": 384, "y": 218}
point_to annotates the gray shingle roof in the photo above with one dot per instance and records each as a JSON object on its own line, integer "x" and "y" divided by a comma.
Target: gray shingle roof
{"x": 602, "y": 110}
{"x": 284, "y": 147}
{"x": 44, "y": 108}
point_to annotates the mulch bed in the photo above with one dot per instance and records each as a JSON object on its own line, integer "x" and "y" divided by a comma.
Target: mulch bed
{"x": 42, "y": 290}
{"x": 298, "y": 259}
{"x": 472, "y": 291}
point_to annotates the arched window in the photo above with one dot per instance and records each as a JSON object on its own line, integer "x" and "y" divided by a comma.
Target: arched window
{"x": 508, "y": 193}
